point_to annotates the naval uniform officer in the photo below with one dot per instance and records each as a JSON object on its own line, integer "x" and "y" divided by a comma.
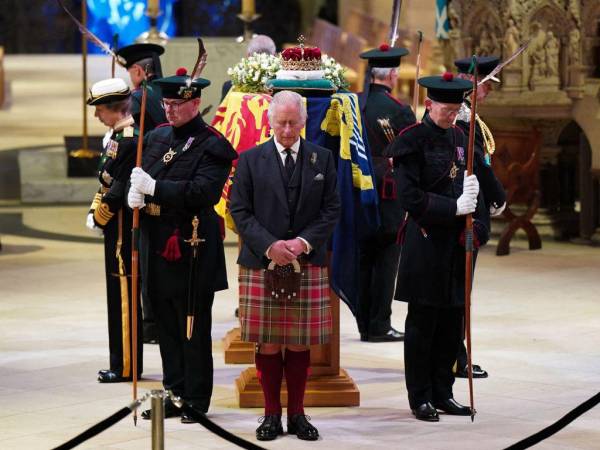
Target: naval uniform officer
{"x": 109, "y": 213}
{"x": 431, "y": 159}
{"x": 137, "y": 58}
{"x": 385, "y": 117}
{"x": 185, "y": 166}
{"x": 493, "y": 194}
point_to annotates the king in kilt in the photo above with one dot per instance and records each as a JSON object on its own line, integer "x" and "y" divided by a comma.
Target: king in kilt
{"x": 285, "y": 205}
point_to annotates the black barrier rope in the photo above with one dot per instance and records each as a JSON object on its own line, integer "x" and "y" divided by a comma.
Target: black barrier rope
{"x": 96, "y": 429}
{"x": 556, "y": 426}
{"x": 221, "y": 432}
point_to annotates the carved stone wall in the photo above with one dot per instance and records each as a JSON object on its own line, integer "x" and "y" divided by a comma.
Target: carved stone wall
{"x": 564, "y": 34}
{"x": 553, "y": 85}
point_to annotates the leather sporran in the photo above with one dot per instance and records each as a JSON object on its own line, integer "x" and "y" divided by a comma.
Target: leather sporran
{"x": 283, "y": 281}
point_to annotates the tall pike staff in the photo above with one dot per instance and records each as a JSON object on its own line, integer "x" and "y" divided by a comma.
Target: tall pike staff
{"x": 114, "y": 58}
{"x": 469, "y": 239}
{"x": 416, "y": 86}
{"x": 135, "y": 252}
{"x": 395, "y": 23}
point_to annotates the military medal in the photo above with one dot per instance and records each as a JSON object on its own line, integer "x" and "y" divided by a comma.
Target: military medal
{"x": 453, "y": 171}
{"x": 112, "y": 149}
{"x": 167, "y": 157}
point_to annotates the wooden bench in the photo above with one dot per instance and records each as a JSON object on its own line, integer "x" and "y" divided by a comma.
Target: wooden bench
{"x": 343, "y": 46}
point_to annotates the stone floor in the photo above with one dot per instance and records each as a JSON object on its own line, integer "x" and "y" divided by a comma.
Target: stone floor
{"x": 536, "y": 329}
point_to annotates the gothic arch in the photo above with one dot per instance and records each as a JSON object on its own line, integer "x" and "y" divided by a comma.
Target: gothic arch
{"x": 483, "y": 17}
{"x": 549, "y": 14}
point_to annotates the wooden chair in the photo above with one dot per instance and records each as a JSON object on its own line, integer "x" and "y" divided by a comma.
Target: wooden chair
{"x": 326, "y": 36}
{"x": 351, "y": 46}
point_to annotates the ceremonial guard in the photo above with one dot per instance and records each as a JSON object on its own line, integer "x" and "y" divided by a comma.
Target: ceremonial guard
{"x": 493, "y": 194}
{"x": 285, "y": 205}
{"x": 185, "y": 166}
{"x": 109, "y": 214}
{"x": 140, "y": 58}
{"x": 431, "y": 160}
{"x": 385, "y": 116}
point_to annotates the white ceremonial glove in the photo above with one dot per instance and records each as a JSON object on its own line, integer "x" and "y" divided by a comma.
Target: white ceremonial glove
{"x": 89, "y": 223}
{"x": 142, "y": 182}
{"x": 495, "y": 212}
{"x": 465, "y": 204}
{"x": 470, "y": 185}
{"x": 135, "y": 199}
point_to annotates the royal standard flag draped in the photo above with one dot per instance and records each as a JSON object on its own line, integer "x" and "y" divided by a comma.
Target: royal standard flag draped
{"x": 242, "y": 119}
{"x": 336, "y": 123}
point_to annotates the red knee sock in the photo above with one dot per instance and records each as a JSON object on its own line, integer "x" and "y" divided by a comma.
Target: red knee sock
{"x": 296, "y": 372}
{"x": 270, "y": 373}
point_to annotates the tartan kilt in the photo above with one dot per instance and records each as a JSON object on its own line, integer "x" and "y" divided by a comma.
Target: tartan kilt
{"x": 305, "y": 320}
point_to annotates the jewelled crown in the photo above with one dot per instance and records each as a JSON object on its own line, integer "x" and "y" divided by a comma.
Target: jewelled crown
{"x": 301, "y": 57}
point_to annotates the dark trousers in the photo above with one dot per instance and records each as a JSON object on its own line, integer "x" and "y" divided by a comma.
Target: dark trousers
{"x": 187, "y": 364}
{"x": 431, "y": 341}
{"x": 378, "y": 269}
{"x": 461, "y": 359}
{"x": 461, "y": 356}
{"x": 118, "y": 296}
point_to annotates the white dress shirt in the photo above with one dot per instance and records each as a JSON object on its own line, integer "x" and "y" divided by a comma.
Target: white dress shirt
{"x": 295, "y": 148}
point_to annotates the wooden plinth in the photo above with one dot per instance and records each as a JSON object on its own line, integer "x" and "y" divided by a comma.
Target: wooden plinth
{"x": 236, "y": 351}
{"x": 321, "y": 390}
{"x": 328, "y": 384}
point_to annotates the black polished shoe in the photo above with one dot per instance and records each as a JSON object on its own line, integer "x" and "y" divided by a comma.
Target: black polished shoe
{"x": 170, "y": 411}
{"x": 299, "y": 425}
{"x": 452, "y": 407}
{"x": 478, "y": 372}
{"x": 364, "y": 337}
{"x": 392, "y": 335}
{"x": 269, "y": 428}
{"x": 426, "y": 412}
{"x": 186, "y": 417}
{"x": 110, "y": 376}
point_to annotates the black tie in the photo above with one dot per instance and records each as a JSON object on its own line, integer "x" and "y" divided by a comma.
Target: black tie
{"x": 289, "y": 163}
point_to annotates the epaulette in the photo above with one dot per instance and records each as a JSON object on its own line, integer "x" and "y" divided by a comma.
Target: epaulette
{"x": 404, "y": 130}
{"x": 459, "y": 129}
{"x": 215, "y": 131}
{"x": 128, "y": 132}
{"x": 161, "y": 125}
{"x": 394, "y": 99}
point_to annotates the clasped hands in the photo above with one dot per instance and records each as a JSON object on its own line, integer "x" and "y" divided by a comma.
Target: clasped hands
{"x": 284, "y": 252}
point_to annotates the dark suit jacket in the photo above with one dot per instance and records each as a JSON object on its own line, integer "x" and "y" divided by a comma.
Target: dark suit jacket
{"x": 259, "y": 204}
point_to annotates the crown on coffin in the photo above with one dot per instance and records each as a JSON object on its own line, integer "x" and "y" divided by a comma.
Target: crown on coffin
{"x": 301, "y": 57}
